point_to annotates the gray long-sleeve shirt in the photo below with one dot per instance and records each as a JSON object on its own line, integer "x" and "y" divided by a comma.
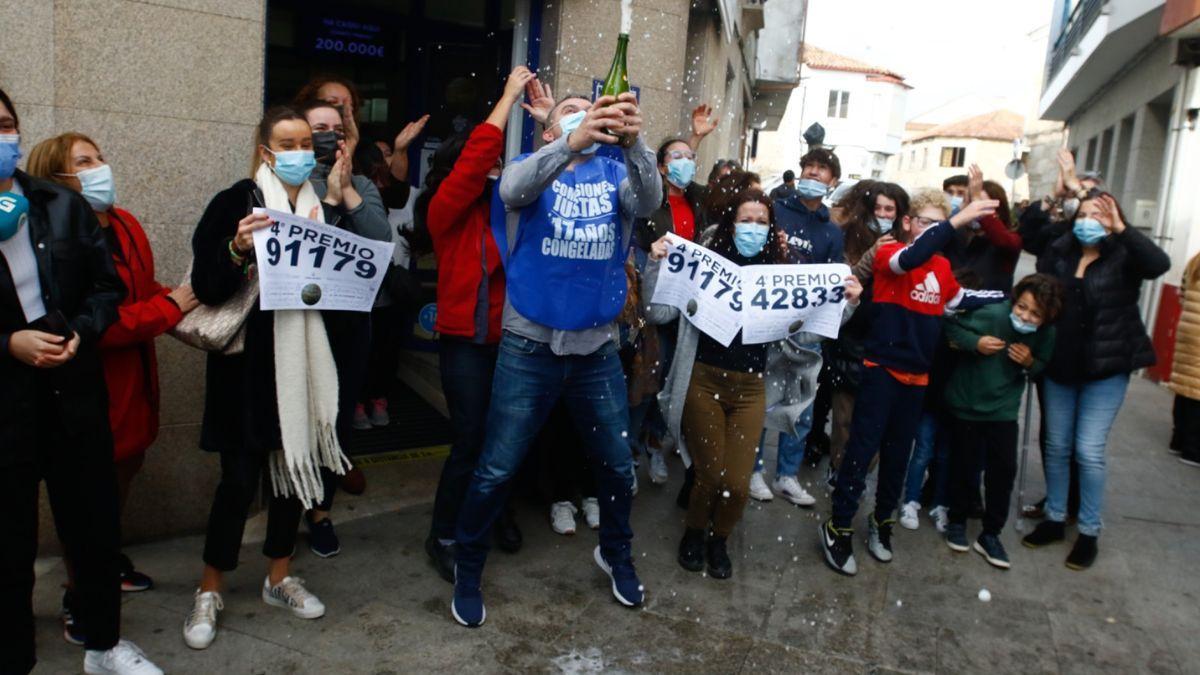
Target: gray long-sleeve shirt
{"x": 524, "y": 182}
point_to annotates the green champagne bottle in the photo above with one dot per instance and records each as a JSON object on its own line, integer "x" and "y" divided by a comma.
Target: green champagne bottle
{"x": 617, "y": 80}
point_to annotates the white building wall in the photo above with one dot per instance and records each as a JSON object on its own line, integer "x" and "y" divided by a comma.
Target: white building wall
{"x": 862, "y": 140}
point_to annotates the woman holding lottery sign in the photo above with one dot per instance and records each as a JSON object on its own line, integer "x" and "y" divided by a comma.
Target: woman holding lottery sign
{"x": 715, "y": 397}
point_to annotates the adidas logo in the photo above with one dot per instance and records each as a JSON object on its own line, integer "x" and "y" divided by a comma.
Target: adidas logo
{"x": 928, "y": 291}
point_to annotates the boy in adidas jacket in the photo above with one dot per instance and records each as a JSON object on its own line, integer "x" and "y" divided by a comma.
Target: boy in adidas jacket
{"x": 913, "y": 288}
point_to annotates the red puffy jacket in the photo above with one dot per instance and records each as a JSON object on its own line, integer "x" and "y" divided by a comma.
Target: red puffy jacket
{"x": 459, "y": 224}
{"x": 127, "y": 347}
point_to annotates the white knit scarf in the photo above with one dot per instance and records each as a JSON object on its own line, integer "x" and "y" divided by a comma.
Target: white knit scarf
{"x": 306, "y": 384}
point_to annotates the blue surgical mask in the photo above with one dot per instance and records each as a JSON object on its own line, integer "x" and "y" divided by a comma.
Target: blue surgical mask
{"x": 1021, "y": 326}
{"x": 884, "y": 225}
{"x": 10, "y": 154}
{"x": 570, "y": 123}
{"x": 808, "y": 188}
{"x": 96, "y": 186}
{"x": 680, "y": 172}
{"x": 293, "y": 167}
{"x": 13, "y": 210}
{"x": 749, "y": 238}
{"x": 1089, "y": 231}
{"x": 956, "y": 203}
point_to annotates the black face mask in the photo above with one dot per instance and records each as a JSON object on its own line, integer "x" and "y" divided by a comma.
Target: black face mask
{"x": 325, "y": 145}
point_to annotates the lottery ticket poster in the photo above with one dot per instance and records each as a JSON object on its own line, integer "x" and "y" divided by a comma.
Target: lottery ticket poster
{"x": 784, "y": 299}
{"x": 304, "y": 264}
{"x": 704, "y": 286}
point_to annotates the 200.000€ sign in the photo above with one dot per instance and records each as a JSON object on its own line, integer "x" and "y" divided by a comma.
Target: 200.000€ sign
{"x": 304, "y": 264}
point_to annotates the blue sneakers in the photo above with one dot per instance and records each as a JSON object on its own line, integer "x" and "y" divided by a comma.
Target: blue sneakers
{"x": 625, "y": 585}
{"x": 956, "y": 537}
{"x": 467, "y": 606}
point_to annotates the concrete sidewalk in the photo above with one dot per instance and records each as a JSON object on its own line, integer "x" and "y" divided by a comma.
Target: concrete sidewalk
{"x": 549, "y": 608}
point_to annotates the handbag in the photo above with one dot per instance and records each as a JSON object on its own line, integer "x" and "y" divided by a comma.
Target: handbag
{"x": 218, "y": 328}
{"x": 221, "y": 328}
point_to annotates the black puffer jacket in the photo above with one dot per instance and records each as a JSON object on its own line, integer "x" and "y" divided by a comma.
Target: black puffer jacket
{"x": 1115, "y": 337}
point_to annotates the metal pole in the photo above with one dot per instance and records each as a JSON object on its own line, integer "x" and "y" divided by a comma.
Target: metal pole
{"x": 1025, "y": 433}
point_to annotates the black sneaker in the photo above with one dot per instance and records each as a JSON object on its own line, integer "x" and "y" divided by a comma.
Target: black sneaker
{"x": 442, "y": 557}
{"x": 989, "y": 546}
{"x": 838, "y": 546}
{"x": 879, "y": 538}
{"x": 72, "y": 633}
{"x": 507, "y": 534}
{"x": 691, "y": 550}
{"x": 133, "y": 581}
{"x": 322, "y": 540}
{"x": 1083, "y": 553}
{"x": 1046, "y": 532}
{"x": 1190, "y": 460}
{"x": 719, "y": 564}
{"x": 956, "y": 537}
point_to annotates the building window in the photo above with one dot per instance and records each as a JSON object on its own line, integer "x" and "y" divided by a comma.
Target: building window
{"x": 954, "y": 156}
{"x": 839, "y": 104}
{"x": 924, "y": 158}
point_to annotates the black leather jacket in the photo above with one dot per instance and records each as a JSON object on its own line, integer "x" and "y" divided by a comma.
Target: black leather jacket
{"x": 78, "y": 279}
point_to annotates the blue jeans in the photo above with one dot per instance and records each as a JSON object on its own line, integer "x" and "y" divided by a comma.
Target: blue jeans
{"x": 529, "y": 380}
{"x": 466, "y": 370}
{"x": 791, "y": 448}
{"x": 1080, "y": 415}
{"x": 932, "y": 447}
{"x": 886, "y": 412}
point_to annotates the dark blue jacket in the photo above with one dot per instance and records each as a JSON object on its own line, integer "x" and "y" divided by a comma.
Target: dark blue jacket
{"x": 812, "y": 238}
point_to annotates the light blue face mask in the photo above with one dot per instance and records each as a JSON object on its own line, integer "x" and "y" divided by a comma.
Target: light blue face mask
{"x": 13, "y": 210}
{"x": 96, "y": 186}
{"x": 293, "y": 167}
{"x": 1089, "y": 231}
{"x": 570, "y": 123}
{"x": 884, "y": 224}
{"x": 808, "y": 188}
{"x": 956, "y": 203}
{"x": 1021, "y": 326}
{"x": 749, "y": 238}
{"x": 680, "y": 172}
{"x": 10, "y": 154}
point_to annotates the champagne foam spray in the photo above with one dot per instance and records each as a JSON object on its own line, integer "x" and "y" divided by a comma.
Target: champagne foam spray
{"x": 626, "y": 16}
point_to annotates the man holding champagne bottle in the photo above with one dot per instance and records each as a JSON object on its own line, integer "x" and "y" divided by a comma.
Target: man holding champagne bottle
{"x": 563, "y": 222}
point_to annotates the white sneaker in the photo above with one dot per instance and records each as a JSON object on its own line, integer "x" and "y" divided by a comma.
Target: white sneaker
{"x": 658, "y": 467}
{"x": 789, "y": 488}
{"x": 759, "y": 489}
{"x": 124, "y": 659}
{"x": 909, "y": 515}
{"x": 591, "y": 512}
{"x": 291, "y": 594}
{"x": 941, "y": 517}
{"x": 562, "y": 517}
{"x": 200, "y": 629}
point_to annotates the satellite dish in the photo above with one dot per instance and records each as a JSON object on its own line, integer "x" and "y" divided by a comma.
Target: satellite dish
{"x": 1014, "y": 169}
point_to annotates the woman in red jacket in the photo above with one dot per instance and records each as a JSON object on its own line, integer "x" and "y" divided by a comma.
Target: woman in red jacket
{"x": 148, "y": 310}
{"x": 454, "y": 208}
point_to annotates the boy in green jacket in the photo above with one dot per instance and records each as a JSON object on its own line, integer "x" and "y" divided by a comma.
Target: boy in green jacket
{"x": 1002, "y": 345}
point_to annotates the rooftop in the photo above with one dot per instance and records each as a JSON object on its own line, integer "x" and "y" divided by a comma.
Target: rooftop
{"x": 997, "y": 125}
{"x": 821, "y": 59}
